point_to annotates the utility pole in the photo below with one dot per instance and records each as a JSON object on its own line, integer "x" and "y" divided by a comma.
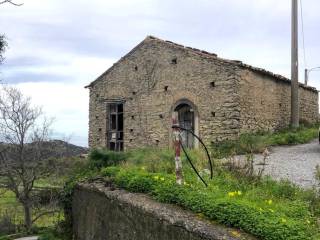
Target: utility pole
{"x": 176, "y": 143}
{"x": 294, "y": 66}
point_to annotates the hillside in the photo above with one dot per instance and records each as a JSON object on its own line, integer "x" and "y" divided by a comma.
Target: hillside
{"x": 56, "y": 149}
{"x": 65, "y": 149}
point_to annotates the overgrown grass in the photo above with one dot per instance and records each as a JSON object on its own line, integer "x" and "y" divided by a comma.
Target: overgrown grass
{"x": 268, "y": 210}
{"x": 265, "y": 208}
{"x": 256, "y": 143}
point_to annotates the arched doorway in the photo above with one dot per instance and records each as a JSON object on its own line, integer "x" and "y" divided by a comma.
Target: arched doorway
{"x": 187, "y": 117}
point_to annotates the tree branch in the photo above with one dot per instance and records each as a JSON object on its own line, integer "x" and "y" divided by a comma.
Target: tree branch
{"x": 44, "y": 213}
{"x": 11, "y": 2}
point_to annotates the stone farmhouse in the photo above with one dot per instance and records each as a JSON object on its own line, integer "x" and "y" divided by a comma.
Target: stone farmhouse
{"x": 131, "y": 104}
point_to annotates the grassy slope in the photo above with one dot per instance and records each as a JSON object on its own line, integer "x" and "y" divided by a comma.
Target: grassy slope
{"x": 265, "y": 208}
{"x": 256, "y": 143}
{"x": 268, "y": 210}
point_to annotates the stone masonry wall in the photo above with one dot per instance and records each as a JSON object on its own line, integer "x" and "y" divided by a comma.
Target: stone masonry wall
{"x": 101, "y": 213}
{"x": 151, "y": 79}
{"x": 265, "y": 103}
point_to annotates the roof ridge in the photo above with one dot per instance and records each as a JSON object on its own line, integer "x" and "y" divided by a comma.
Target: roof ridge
{"x": 207, "y": 54}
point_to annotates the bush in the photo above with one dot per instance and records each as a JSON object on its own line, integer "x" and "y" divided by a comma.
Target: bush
{"x": 48, "y": 236}
{"x": 152, "y": 159}
{"x": 66, "y": 196}
{"x": 256, "y": 143}
{"x": 51, "y": 234}
{"x": 99, "y": 158}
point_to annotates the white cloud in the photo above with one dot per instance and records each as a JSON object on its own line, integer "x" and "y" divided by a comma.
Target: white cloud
{"x": 67, "y": 104}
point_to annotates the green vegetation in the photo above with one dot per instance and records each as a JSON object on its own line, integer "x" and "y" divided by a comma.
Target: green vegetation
{"x": 256, "y": 143}
{"x": 269, "y": 210}
{"x": 51, "y": 234}
{"x": 11, "y": 214}
{"x": 260, "y": 206}
{"x": 11, "y": 211}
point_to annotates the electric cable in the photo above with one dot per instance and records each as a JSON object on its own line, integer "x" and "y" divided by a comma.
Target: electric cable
{"x": 303, "y": 41}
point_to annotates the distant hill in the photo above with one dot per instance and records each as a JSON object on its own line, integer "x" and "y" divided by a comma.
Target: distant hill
{"x": 59, "y": 149}
{"x": 65, "y": 149}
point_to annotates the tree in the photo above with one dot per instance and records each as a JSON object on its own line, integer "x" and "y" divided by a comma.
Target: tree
{"x": 24, "y": 154}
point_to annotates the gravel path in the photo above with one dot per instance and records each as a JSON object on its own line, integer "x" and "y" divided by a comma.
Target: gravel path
{"x": 295, "y": 163}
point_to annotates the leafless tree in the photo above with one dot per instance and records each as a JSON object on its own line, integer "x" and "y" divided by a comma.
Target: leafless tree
{"x": 24, "y": 154}
{"x": 11, "y": 2}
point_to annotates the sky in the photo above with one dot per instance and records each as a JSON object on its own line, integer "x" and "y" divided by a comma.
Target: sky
{"x": 56, "y": 47}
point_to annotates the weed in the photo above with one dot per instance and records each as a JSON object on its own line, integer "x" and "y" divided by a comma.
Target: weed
{"x": 256, "y": 143}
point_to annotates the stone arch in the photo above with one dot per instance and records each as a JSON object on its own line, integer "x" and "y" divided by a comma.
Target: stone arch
{"x": 185, "y": 104}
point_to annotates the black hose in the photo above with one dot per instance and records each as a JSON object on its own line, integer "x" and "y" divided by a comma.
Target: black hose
{"x": 188, "y": 158}
{"x": 193, "y": 167}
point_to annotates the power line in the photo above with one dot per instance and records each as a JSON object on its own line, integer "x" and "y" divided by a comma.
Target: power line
{"x": 303, "y": 42}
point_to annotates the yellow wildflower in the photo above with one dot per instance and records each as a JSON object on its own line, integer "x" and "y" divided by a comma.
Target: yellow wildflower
{"x": 269, "y": 202}
{"x": 235, "y": 193}
{"x": 283, "y": 220}
{"x": 231, "y": 194}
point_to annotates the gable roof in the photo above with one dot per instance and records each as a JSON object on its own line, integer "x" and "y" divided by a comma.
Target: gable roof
{"x": 203, "y": 54}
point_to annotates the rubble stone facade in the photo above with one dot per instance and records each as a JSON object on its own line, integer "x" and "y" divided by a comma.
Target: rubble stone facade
{"x": 226, "y": 97}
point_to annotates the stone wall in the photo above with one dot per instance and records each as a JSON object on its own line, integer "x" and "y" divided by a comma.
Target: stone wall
{"x": 150, "y": 83}
{"x": 265, "y": 102}
{"x": 101, "y": 213}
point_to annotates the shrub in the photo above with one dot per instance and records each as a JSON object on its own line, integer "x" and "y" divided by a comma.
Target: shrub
{"x": 152, "y": 159}
{"x": 51, "y": 234}
{"x": 66, "y": 196}
{"x": 99, "y": 158}
{"x": 48, "y": 236}
{"x": 257, "y": 142}
{"x": 5, "y": 238}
